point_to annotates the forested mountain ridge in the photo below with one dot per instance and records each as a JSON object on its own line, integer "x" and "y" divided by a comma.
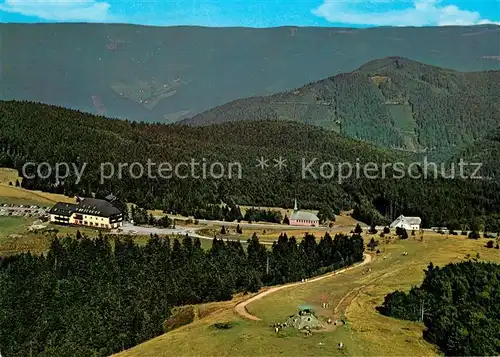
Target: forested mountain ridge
{"x": 170, "y": 73}
{"x": 485, "y": 151}
{"x": 32, "y": 132}
{"x": 394, "y": 102}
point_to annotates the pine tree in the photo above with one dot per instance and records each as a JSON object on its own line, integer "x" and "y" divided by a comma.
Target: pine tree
{"x": 358, "y": 229}
{"x": 372, "y": 244}
{"x": 257, "y": 255}
{"x": 255, "y": 283}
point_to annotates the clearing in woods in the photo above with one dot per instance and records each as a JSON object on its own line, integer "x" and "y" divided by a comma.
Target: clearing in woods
{"x": 352, "y": 296}
{"x": 15, "y": 236}
{"x": 17, "y": 195}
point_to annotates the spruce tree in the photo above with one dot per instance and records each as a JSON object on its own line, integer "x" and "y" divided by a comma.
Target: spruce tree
{"x": 358, "y": 229}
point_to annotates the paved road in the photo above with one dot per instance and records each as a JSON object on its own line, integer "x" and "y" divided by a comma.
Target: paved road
{"x": 263, "y": 225}
{"x": 248, "y": 225}
{"x": 241, "y": 308}
{"x": 18, "y": 210}
{"x": 128, "y": 228}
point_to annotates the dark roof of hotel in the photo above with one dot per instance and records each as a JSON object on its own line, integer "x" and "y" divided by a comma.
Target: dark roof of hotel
{"x": 90, "y": 206}
{"x": 63, "y": 209}
{"x": 104, "y": 208}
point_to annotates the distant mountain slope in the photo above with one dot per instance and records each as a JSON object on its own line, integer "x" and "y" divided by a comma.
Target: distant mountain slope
{"x": 392, "y": 101}
{"x": 167, "y": 74}
{"x": 485, "y": 151}
{"x": 33, "y": 132}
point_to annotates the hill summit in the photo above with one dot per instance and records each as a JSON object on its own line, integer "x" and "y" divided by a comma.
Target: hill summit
{"x": 394, "y": 102}
{"x": 390, "y": 64}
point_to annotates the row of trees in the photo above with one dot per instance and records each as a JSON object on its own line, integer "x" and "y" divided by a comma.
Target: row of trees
{"x": 141, "y": 216}
{"x": 225, "y": 231}
{"x": 459, "y": 305}
{"x": 260, "y": 215}
{"x": 95, "y": 297}
{"x": 217, "y": 212}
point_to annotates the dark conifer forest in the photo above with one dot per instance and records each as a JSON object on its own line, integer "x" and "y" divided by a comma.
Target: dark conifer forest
{"x": 94, "y": 297}
{"x": 38, "y": 133}
{"x": 459, "y": 305}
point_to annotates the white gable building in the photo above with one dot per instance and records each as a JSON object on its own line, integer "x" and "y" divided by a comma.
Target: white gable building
{"x": 408, "y": 223}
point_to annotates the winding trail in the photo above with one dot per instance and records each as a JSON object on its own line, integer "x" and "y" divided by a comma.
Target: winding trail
{"x": 241, "y": 308}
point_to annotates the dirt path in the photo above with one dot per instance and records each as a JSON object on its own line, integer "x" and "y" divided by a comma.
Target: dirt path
{"x": 346, "y": 296}
{"x": 241, "y": 308}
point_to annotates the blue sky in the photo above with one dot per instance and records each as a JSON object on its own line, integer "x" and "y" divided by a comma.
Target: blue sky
{"x": 256, "y": 13}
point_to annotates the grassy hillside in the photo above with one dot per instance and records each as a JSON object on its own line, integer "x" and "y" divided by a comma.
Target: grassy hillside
{"x": 67, "y": 136}
{"x": 11, "y": 194}
{"x": 8, "y": 176}
{"x": 393, "y": 102}
{"x": 367, "y": 333}
{"x": 169, "y": 73}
